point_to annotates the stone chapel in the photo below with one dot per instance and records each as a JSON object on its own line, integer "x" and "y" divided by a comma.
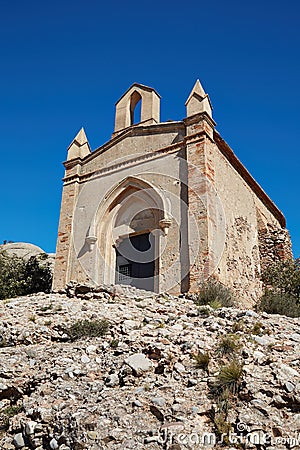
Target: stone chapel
{"x": 163, "y": 206}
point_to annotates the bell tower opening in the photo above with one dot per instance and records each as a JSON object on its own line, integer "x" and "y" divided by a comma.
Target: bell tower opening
{"x": 135, "y": 108}
{"x": 139, "y": 104}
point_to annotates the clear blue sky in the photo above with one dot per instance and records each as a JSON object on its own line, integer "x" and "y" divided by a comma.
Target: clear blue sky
{"x": 64, "y": 64}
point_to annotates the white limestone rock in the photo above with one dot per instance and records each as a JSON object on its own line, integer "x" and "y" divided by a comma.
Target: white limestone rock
{"x": 139, "y": 363}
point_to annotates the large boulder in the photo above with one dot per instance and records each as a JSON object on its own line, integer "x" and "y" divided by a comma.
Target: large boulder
{"x": 21, "y": 249}
{"x": 26, "y": 250}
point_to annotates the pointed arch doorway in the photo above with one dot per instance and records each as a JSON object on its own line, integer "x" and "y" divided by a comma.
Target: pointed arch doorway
{"x": 130, "y": 234}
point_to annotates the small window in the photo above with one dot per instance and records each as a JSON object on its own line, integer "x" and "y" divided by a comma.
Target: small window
{"x": 124, "y": 272}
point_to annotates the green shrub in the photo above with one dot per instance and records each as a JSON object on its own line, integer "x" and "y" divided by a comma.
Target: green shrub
{"x": 46, "y": 307}
{"x": 215, "y": 304}
{"x": 12, "y": 276}
{"x": 259, "y": 329}
{"x": 223, "y": 400}
{"x": 229, "y": 344}
{"x": 220, "y": 415}
{"x": 202, "y": 360}
{"x": 282, "y": 289}
{"x": 223, "y": 427}
{"x": 224, "y": 391}
{"x": 229, "y": 377}
{"x": 4, "y": 342}
{"x": 19, "y": 276}
{"x": 38, "y": 274}
{"x": 6, "y": 414}
{"x": 279, "y": 303}
{"x": 215, "y": 294}
{"x": 283, "y": 277}
{"x": 204, "y": 311}
{"x": 87, "y": 328}
{"x": 238, "y": 326}
{"x": 114, "y": 343}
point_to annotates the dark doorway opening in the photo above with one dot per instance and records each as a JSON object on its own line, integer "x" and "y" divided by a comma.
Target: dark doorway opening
{"x": 135, "y": 261}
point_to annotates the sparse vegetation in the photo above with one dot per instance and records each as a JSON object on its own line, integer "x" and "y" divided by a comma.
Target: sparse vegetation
{"x": 276, "y": 303}
{"x": 12, "y": 411}
{"x": 87, "y": 328}
{"x": 215, "y": 294}
{"x": 47, "y": 307}
{"x": 282, "y": 289}
{"x": 224, "y": 400}
{"x": 58, "y": 308}
{"x": 215, "y": 304}
{"x": 202, "y": 360}
{"x": 238, "y": 326}
{"x": 222, "y": 426}
{"x": 204, "y": 311}
{"x": 229, "y": 377}
{"x": 220, "y": 415}
{"x": 114, "y": 343}
{"x": 7, "y": 413}
{"x": 19, "y": 276}
{"x": 224, "y": 390}
{"x": 3, "y": 342}
{"x": 284, "y": 277}
{"x": 258, "y": 329}
{"x": 229, "y": 344}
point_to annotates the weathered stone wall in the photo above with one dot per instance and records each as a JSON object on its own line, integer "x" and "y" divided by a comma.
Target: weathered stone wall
{"x": 254, "y": 237}
{"x": 274, "y": 242}
{"x": 199, "y": 176}
{"x": 64, "y": 239}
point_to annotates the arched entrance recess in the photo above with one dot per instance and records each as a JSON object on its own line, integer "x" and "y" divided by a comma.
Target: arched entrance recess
{"x": 131, "y": 224}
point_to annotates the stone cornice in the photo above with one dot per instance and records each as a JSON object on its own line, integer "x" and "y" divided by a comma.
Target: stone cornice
{"x": 140, "y": 130}
{"x": 195, "y": 137}
{"x": 71, "y": 179}
{"x": 135, "y": 130}
{"x": 199, "y": 117}
{"x": 127, "y": 163}
{"x": 72, "y": 163}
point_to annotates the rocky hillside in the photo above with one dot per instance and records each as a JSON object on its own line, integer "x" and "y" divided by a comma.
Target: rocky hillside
{"x": 125, "y": 369}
